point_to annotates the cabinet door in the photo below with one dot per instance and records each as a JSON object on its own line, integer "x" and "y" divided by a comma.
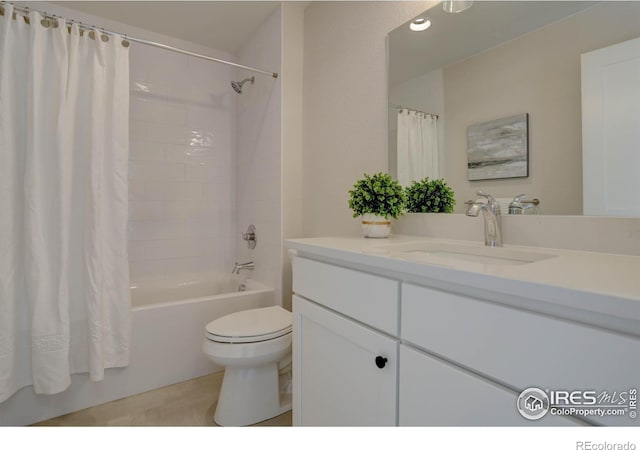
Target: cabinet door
{"x": 433, "y": 392}
{"x": 337, "y": 381}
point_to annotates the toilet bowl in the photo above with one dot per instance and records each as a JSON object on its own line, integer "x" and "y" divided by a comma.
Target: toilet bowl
{"x": 250, "y": 345}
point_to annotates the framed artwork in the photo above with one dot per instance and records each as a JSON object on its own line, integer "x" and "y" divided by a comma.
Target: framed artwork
{"x": 498, "y": 149}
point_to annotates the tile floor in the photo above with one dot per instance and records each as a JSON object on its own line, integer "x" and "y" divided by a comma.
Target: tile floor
{"x": 191, "y": 403}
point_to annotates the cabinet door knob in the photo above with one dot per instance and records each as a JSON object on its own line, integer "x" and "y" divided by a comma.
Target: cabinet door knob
{"x": 381, "y": 361}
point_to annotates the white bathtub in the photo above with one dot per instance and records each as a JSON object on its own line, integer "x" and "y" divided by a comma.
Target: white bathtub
{"x": 169, "y": 316}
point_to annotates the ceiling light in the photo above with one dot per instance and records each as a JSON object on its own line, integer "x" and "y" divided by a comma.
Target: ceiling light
{"x": 456, "y": 6}
{"x": 420, "y": 24}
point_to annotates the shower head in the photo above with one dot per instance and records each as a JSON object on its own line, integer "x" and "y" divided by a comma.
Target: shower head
{"x": 237, "y": 85}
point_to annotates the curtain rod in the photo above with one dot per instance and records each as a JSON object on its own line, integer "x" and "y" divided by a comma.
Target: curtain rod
{"x": 26, "y": 10}
{"x": 415, "y": 110}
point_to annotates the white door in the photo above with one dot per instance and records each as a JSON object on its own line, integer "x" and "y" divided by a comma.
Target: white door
{"x": 344, "y": 373}
{"x": 611, "y": 130}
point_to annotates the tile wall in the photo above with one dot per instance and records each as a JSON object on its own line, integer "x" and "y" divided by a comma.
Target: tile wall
{"x": 182, "y": 164}
{"x": 259, "y": 159}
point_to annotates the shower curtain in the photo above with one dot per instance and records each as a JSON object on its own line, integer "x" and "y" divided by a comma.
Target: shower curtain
{"x": 64, "y": 277}
{"x": 417, "y": 146}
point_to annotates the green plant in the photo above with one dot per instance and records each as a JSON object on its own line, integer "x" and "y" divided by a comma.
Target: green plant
{"x": 430, "y": 196}
{"x": 377, "y": 194}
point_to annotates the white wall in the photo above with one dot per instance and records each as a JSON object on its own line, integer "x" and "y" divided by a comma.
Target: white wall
{"x": 258, "y": 158}
{"x": 345, "y": 134}
{"x": 292, "y": 136}
{"x": 539, "y": 74}
{"x": 345, "y": 104}
{"x": 181, "y": 183}
{"x": 620, "y": 235}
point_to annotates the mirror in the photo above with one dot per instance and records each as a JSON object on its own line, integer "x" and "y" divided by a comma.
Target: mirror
{"x": 499, "y": 60}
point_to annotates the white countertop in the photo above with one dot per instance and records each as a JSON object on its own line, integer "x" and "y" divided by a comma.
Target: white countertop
{"x": 595, "y": 283}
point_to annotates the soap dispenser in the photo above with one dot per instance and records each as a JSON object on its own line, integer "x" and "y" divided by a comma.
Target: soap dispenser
{"x": 515, "y": 207}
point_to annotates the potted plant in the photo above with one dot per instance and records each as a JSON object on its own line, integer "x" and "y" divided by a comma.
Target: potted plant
{"x": 430, "y": 196}
{"x": 377, "y": 199}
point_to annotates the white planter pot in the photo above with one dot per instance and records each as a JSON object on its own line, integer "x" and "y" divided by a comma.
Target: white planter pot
{"x": 374, "y": 226}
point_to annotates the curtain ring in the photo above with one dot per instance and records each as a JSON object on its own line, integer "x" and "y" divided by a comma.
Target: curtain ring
{"x": 125, "y": 42}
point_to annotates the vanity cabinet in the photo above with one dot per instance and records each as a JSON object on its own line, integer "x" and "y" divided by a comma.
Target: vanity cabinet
{"x": 436, "y": 393}
{"x": 345, "y": 373}
{"x": 345, "y": 370}
{"x": 376, "y": 350}
{"x": 518, "y": 348}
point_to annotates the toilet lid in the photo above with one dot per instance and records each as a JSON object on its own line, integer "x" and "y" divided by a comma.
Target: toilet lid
{"x": 253, "y": 325}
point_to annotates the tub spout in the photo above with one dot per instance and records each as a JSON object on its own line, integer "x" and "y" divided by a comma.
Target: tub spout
{"x": 243, "y": 266}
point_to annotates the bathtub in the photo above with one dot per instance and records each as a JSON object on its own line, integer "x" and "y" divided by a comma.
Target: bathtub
{"x": 169, "y": 316}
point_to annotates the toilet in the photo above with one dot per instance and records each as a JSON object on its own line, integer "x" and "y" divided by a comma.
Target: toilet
{"x": 254, "y": 347}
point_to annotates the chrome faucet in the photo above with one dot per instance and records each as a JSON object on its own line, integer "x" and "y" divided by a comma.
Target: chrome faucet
{"x": 244, "y": 266}
{"x": 491, "y": 215}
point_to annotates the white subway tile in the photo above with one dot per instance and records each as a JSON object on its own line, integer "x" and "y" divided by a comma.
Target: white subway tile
{"x": 174, "y": 248}
{"x": 181, "y": 209}
{"x": 141, "y": 88}
{"x": 208, "y": 171}
{"x": 136, "y": 190}
{"x": 209, "y": 229}
{"x": 156, "y": 171}
{"x": 158, "y": 111}
{"x": 185, "y": 153}
{"x": 147, "y": 210}
{"x": 146, "y": 151}
{"x": 217, "y": 193}
{"x": 183, "y": 191}
{"x": 173, "y": 191}
{"x": 145, "y": 230}
{"x": 137, "y": 130}
{"x": 164, "y": 267}
{"x": 182, "y": 162}
{"x": 177, "y": 134}
{"x": 215, "y": 117}
{"x": 136, "y": 251}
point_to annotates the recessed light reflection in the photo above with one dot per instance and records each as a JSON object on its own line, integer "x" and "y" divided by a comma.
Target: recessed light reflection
{"x": 420, "y": 24}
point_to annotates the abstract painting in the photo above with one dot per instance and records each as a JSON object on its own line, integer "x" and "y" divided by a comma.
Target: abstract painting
{"x": 498, "y": 149}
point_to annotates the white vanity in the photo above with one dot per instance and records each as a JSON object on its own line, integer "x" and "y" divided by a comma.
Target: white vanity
{"x": 418, "y": 331}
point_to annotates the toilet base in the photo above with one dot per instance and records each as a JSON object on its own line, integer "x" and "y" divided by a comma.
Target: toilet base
{"x": 250, "y": 395}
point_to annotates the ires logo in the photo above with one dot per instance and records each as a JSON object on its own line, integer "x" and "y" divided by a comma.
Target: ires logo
{"x": 573, "y": 398}
{"x": 534, "y": 403}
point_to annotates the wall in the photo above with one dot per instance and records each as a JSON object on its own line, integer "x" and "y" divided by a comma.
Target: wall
{"x": 538, "y": 73}
{"x": 345, "y": 125}
{"x": 258, "y": 158}
{"x": 619, "y": 235}
{"x": 181, "y": 171}
{"x": 345, "y": 104}
{"x": 292, "y": 136}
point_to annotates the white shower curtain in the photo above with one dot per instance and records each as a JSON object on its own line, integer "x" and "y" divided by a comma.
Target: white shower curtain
{"x": 417, "y": 146}
{"x": 64, "y": 277}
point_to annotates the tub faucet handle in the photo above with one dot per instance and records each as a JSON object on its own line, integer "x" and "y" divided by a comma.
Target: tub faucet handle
{"x": 250, "y": 236}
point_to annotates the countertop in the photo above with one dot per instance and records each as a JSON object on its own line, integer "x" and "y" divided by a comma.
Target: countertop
{"x": 598, "y": 288}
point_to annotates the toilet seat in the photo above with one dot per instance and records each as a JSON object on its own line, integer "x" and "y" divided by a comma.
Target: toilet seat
{"x": 253, "y": 325}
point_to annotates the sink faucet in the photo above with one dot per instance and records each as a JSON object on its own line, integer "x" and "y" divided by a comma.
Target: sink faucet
{"x": 491, "y": 215}
{"x": 244, "y": 266}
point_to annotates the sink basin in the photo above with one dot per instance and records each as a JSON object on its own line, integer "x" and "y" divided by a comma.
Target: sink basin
{"x": 430, "y": 252}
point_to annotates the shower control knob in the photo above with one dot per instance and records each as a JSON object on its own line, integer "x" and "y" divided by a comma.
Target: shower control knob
{"x": 381, "y": 361}
{"x": 250, "y": 236}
